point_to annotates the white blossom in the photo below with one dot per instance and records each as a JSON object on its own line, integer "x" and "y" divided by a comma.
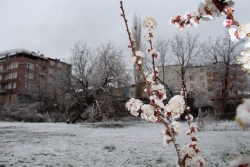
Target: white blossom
{"x": 243, "y": 161}
{"x": 189, "y": 117}
{"x": 176, "y": 106}
{"x": 151, "y": 78}
{"x": 159, "y": 91}
{"x": 139, "y": 53}
{"x": 166, "y": 139}
{"x": 194, "y": 22}
{"x": 148, "y": 113}
{"x": 149, "y": 24}
{"x": 247, "y": 44}
{"x": 210, "y": 6}
{"x": 244, "y": 29}
{"x": 234, "y": 34}
{"x": 243, "y": 113}
{"x": 176, "y": 126}
{"x": 133, "y": 59}
{"x": 139, "y": 61}
{"x": 199, "y": 161}
{"x": 133, "y": 105}
{"x": 147, "y": 38}
{"x": 244, "y": 59}
{"x": 227, "y": 23}
{"x": 193, "y": 128}
{"x": 187, "y": 150}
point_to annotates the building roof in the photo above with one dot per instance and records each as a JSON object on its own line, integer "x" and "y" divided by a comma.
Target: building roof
{"x": 12, "y": 52}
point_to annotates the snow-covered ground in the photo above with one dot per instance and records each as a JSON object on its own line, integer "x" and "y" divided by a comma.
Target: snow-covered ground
{"x": 135, "y": 144}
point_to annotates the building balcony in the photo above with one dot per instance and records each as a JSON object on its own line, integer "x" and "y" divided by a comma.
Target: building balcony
{"x": 3, "y": 81}
{"x": 3, "y": 72}
{"x": 2, "y": 91}
{"x": 4, "y": 62}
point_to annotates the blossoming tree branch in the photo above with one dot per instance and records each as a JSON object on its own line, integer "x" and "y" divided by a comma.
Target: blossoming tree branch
{"x": 168, "y": 114}
{"x": 208, "y": 11}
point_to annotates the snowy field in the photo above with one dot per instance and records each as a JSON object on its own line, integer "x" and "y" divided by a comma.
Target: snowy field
{"x": 134, "y": 144}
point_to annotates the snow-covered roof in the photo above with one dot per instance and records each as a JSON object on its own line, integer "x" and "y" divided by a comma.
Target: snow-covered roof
{"x": 15, "y": 51}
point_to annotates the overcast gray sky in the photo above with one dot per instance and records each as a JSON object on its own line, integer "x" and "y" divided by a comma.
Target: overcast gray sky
{"x": 53, "y": 26}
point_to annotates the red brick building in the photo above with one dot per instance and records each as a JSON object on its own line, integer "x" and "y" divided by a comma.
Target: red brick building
{"x": 19, "y": 69}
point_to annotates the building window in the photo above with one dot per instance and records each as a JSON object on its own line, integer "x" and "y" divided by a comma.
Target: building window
{"x": 14, "y": 85}
{"x": 235, "y": 92}
{"x": 52, "y": 63}
{"x": 14, "y": 75}
{"x": 202, "y": 77}
{"x": 9, "y": 85}
{"x": 59, "y": 64}
{"x": 51, "y": 71}
{"x": 10, "y": 75}
{"x": 231, "y": 76}
{"x": 191, "y": 78}
{"x": 210, "y": 92}
{"x": 191, "y": 86}
{"x": 16, "y": 65}
{"x": 1, "y": 68}
{"x": 11, "y": 66}
{"x": 6, "y": 77}
{"x": 30, "y": 66}
{"x": 191, "y": 70}
{"x": 201, "y": 69}
{"x": 27, "y": 86}
{"x": 132, "y": 93}
{"x": 0, "y": 77}
{"x": 202, "y": 84}
{"x": 29, "y": 75}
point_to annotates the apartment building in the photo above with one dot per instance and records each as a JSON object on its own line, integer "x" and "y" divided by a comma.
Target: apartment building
{"x": 20, "y": 67}
{"x": 195, "y": 78}
{"x": 171, "y": 76}
{"x": 206, "y": 82}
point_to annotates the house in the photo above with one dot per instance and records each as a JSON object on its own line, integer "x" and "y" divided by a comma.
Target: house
{"x": 22, "y": 70}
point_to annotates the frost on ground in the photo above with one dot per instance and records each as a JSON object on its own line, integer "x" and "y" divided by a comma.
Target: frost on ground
{"x": 135, "y": 144}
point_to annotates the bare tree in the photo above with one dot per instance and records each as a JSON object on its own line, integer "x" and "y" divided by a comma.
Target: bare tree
{"x": 95, "y": 74}
{"x": 185, "y": 49}
{"x": 226, "y": 78}
{"x": 109, "y": 67}
{"x": 162, "y": 46}
{"x": 136, "y": 35}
